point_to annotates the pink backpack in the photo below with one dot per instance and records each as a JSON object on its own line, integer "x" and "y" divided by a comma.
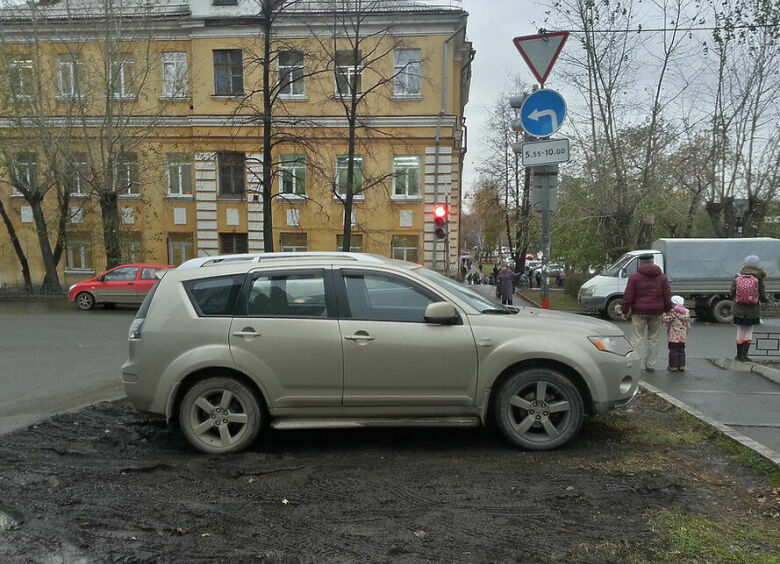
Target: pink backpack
{"x": 747, "y": 289}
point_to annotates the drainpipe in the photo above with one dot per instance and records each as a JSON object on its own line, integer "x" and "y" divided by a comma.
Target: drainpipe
{"x": 438, "y": 135}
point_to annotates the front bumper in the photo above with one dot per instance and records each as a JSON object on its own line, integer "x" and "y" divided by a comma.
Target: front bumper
{"x": 592, "y": 302}
{"x": 621, "y": 377}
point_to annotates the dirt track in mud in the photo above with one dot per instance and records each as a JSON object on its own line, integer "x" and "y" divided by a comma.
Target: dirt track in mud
{"x": 105, "y": 484}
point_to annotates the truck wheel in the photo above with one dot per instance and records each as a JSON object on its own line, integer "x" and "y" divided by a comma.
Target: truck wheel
{"x": 721, "y": 311}
{"x": 613, "y": 309}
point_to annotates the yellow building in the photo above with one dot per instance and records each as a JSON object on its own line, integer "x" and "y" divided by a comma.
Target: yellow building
{"x": 167, "y": 113}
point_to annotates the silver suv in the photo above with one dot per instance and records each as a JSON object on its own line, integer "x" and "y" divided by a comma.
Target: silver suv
{"x": 227, "y": 345}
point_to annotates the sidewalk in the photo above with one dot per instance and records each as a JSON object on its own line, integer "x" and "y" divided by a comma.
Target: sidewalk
{"x": 743, "y": 404}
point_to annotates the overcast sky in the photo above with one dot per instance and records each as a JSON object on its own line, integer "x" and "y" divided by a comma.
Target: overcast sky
{"x": 492, "y": 25}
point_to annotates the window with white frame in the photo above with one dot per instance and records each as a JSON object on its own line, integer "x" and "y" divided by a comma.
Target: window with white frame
{"x": 355, "y": 243}
{"x": 78, "y": 254}
{"x": 122, "y": 77}
{"x": 178, "y": 172}
{"x": 348, "y": 71}
{"x": 290, "y": 67}
{"x": 69, "y": 69}
{"x": 174, "y": 75}
{"x": 76, "y": 175}
{"x": 25, "y": 173}
{"x": 20, "y": 77}
{"x": 406, "y": 176}
{"x": 293, "y": 243}
{"x": 342, "y": 164}
{"x": 130, "y": 246}
{"x": 406, "y": 247}
{"x": 407, "y": 72}
{"x": 228, "y": 72}
{"x": 292, "y": 175}
{"x": 126, "y": 174}
{"x": 181, "y": 248}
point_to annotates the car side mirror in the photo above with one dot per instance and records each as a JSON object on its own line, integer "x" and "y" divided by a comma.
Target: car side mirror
{"x": 441, "y": 313}
{"x": 102, "y": 278}
{"x": 623, "y": 273}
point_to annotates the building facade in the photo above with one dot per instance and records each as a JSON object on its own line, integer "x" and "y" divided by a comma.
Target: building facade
{"x": 163, "y": 122}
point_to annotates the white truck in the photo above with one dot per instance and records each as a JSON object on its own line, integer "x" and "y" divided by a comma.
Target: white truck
{"x": 699, "y": 270}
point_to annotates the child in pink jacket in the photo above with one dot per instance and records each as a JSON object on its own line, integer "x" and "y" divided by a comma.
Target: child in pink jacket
{"x": 677, "y": 322}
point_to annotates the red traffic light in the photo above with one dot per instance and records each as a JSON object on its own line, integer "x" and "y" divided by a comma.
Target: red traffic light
{"x": 440, "y": 211}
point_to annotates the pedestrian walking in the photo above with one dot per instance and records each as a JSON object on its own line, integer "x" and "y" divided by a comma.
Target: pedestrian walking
{"x": 677, "y": 322}
{"x": 505, "y": 284}
{"x": 645, "y": 300}
{"x": 747, "y": 293}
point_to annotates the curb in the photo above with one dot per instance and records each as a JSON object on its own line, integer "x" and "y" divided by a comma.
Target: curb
{"x": 731, "y": 364}
{"x": 766, "y": 452}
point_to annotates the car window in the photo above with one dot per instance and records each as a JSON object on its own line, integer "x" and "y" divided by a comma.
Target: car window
{"x": 385, "y": 298}
{"x": 149, "y": 273}
{"x": 120, "y": 274}
{"x": 215, "y": 296}
{"x": 289, "y": 295}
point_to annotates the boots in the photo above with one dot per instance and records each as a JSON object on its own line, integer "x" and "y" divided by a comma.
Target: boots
{"x": 745, "y": 349}
{"x": 739, "y": 351}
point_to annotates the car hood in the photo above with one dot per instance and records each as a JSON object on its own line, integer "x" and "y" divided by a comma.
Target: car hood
{"x": 536, "y": 319}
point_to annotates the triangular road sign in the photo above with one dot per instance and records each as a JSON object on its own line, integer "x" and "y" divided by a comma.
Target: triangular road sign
{"x": 541, "y": 51}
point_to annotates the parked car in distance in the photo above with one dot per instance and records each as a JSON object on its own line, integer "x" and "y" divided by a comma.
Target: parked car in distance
{"x": 124, "y": 284}
{"x": 229, "y": 345}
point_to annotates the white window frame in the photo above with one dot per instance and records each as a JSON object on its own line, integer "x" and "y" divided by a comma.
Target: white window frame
{"x": 19, "y": 70}
{"x": 404, "y": 72}
{"x": 27, "y": 171}
{"x": 79, "y": 161}
{"x": 128, "y": 169}
{"x": 186, "y": 248}
{"x": 405, "y": 250}
{"x": 285, "y": 71}
{"x": 70, "y": 66}
{"x": 342, "y": 163}
{"x": 121, "y": 67}
{"x": 175, "y": 70}
{"x": 401, "y": 166}
{"x": 291, "y": 169}
{"x": 293, "y": 248}
{"x": 178, "y": 166}
{"x": 83, "y": 249}
{"x": 348, "y": 71}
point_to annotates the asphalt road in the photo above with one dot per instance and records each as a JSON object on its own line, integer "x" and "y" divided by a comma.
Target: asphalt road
{"x": 54, "y": 358}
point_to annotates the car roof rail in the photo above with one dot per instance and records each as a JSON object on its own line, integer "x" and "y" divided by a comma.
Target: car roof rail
{"x": 259, "y": 257}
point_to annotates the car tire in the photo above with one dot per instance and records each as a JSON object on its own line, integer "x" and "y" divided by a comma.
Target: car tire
{"x": 612, "y": 310}
{"x": 220, "y": 415}
{"x": 722, "y": 311}
{"x": 85, "y": 301}
{"x": 539, "y": 409}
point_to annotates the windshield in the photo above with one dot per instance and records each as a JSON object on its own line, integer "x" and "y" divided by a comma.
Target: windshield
{"x": 615, "y": 268}
{"x": 469, "y": 296}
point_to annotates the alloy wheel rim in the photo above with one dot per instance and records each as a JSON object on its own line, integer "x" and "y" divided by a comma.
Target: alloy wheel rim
{"x": 540, "y": 411}
{"x": 219, "y": 418}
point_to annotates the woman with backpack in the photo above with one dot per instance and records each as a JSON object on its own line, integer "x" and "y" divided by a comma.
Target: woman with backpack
{"x": 747, "y": 293}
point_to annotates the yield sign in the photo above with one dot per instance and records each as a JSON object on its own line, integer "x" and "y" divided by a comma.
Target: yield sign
{"x": 541, "y": 51}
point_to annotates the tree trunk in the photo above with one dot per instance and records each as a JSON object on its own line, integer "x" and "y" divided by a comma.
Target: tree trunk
{"x": 110, "y": 214}
{"x": 51, "y": 281}
{"x": 268, "y": 226}
{"x": 17, "y": 249}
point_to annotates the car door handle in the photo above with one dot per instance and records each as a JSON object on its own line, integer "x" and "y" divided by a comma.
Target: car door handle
{"x": 246, "y": 332}
{"x": 359, "y": 338}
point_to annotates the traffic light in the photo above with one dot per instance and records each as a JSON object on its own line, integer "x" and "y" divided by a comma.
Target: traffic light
{"x": 440, "y": 216}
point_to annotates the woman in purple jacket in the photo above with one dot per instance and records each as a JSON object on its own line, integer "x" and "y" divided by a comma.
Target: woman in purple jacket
{"x": 505, "y": 284}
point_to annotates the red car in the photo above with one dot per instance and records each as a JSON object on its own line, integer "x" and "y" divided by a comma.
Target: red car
{"x": 125, "y": 284}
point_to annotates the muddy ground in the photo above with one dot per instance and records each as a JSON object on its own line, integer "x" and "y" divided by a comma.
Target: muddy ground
{"x": 107, "y": 485}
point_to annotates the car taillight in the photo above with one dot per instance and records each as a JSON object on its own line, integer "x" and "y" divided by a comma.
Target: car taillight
{"x": 136, "y": 328}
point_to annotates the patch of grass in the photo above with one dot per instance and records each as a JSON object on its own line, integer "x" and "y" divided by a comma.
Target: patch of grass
{"x": 601, "y": 551}
{"x": 559, "y": 299}
{"x": 635, "y": 463}
{"x": 694, "y": 538}
{"x": 751, "y": 459}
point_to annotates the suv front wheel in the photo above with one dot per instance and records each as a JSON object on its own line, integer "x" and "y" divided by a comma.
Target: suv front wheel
{"x": 539, "y": 409}
{"x": 220, "y": 415}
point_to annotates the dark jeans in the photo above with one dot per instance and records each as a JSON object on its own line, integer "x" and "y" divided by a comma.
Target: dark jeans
{"x": 676, "y": 355}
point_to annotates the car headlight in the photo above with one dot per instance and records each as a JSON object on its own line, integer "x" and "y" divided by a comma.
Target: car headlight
{"x": 589, "y": 291}
{"x": 615, "y": 345}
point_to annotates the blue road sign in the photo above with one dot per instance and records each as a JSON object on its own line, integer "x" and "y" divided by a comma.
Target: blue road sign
{"x": 543, "y": 112}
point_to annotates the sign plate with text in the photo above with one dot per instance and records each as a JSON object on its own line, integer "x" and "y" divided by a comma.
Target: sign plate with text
{"x": 550, "y": 151}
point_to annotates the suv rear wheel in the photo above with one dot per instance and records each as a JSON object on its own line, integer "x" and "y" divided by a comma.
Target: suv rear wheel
{"x": 220, "y": 415}
{"x": 539, "y": 409}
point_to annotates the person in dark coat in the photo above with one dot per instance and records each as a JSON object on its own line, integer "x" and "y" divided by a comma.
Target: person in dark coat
{"x": 746, "y": 316}
{"x": 645, "y": 300}
{"x": 505, "y": 284}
